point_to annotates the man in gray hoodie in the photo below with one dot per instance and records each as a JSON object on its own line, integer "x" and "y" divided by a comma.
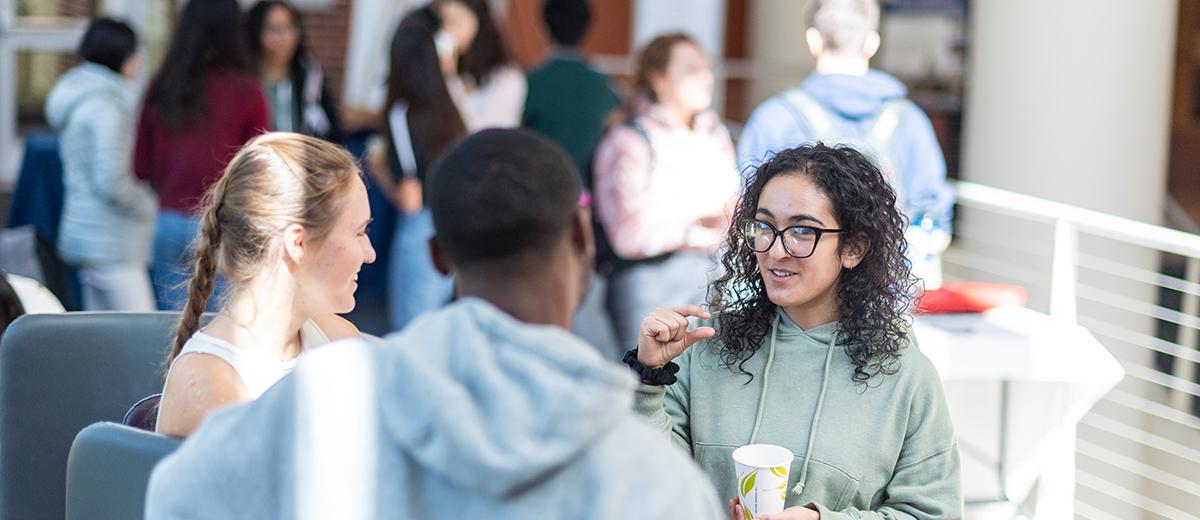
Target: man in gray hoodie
{"x": 488, "y": 408}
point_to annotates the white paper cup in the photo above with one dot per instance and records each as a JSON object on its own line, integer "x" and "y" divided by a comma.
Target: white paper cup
{"x": 762, "y": 477}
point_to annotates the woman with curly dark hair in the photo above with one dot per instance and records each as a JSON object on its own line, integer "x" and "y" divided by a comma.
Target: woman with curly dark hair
{"x": 808, "y": 347}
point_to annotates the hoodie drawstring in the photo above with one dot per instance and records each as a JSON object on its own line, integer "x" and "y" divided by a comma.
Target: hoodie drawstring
{"x": 762, "y": 402}
{"x": 762, "y": 398}
{"x": 812, "y": 433}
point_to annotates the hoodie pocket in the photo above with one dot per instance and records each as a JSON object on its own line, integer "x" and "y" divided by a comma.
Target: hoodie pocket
{"x": 827, "y": 484}
{"x": 834, "y": 488}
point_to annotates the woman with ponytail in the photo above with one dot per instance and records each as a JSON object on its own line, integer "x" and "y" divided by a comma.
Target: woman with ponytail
{"x": 286, "y": 226}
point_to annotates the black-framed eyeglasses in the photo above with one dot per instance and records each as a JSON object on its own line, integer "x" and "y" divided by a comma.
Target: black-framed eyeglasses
{"x": 798, "y": 241}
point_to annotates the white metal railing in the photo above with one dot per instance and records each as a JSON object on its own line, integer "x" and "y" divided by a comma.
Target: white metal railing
{"x": 1138, "y": 443}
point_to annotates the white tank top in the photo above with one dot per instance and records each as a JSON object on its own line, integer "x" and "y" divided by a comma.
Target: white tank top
{"x": 258, "y": 372}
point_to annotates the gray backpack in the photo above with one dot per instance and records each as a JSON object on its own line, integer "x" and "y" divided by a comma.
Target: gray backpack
{"x": 875, "y": 142}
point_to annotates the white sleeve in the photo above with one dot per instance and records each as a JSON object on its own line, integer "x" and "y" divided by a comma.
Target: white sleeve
{"x": 497, "y": 103}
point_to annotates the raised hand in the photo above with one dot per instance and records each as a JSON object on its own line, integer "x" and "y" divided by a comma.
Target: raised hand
{"x": 664, "y": 334}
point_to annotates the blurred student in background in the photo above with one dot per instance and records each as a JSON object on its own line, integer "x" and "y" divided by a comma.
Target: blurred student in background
{"x": 568, "y": 100}
{"x": 664, "y": 179}
{"x": 293, "y": 82}
{"x": 488, "y": 87}
{"x": 202, "y": 105}
{"x": 108, "y": 215}
{"x": 422, "y": 121}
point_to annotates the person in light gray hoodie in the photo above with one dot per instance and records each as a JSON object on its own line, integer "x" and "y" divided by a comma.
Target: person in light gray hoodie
{"x": 108, "y": 216}
{"x": 487, "y": 408}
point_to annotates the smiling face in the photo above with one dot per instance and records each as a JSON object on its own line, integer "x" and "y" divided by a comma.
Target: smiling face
{"x": 329, "y": 276}
{"x": 802, "y": 286}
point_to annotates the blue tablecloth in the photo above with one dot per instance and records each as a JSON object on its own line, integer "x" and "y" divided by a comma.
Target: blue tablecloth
{"x": 38, "y": 201}
{"x": 38, "y": 197}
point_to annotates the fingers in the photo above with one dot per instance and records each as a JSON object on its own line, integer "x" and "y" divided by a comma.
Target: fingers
{"x": 656, "y": 329}
{"x": 735, "y": 510}
{"x": 699, "y": 334}
{"x": 667, "y": 329}
{"x": 669, "y": 325}
{"x": 691, "y": 310}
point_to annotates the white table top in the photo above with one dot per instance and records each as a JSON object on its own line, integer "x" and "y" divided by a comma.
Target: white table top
{"x": 1058, "y": 372}
{"x": 1014, "y": 344}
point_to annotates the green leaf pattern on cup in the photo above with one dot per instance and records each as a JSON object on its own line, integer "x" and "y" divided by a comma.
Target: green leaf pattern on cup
{"x": 748, "y": 482}
{"x": 747, "y": 485}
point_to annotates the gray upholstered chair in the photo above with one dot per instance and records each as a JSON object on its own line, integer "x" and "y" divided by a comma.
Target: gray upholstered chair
{"x": 108, "y": 469}
{"x": 60, "y": 373}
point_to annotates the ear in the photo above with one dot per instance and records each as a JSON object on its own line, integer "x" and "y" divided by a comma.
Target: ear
{"x": 854, "y": 250}
{"x": 439, "y": 259}
{"x": 871, "y": 44}
{"x": 816, "y": 42}
{"x": 294, "y": 243}
{"x": 582, "y": 238}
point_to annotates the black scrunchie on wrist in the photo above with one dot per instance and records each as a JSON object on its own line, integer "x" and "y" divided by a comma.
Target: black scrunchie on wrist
{"x": 664, "y": 375}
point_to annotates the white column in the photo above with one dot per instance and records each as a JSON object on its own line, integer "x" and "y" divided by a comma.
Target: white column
{"x": 1072, "y": 94}
{"x": 1070, "y": 100}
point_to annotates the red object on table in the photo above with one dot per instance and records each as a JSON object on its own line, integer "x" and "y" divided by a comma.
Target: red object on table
{"x": 960, "y": 297}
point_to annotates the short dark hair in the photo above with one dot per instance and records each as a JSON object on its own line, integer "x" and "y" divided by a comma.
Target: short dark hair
{"x": 500, "y": 193}
{"x": 567, "y": 20}
{"x": 108, "y": 42}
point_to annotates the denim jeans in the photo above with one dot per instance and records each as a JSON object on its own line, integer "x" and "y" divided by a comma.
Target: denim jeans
{"x": 414, "y": 285}
{"x": 171, "y": 267}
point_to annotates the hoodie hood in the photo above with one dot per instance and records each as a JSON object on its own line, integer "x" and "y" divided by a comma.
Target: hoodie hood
{"x": 818, "y": 337}
{"x": 493, "y": 404}
{"x": 80, "y": 84}
{"x": 854, "y": 97}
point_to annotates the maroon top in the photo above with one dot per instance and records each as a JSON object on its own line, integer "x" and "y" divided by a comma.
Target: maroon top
{"x": 181, "y": 164}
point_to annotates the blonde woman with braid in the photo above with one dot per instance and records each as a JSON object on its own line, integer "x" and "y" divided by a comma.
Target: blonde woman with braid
{"x": 286, "y": 225}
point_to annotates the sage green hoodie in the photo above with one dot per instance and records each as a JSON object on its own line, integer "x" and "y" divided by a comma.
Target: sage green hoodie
{"x": 884, "y": 450}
